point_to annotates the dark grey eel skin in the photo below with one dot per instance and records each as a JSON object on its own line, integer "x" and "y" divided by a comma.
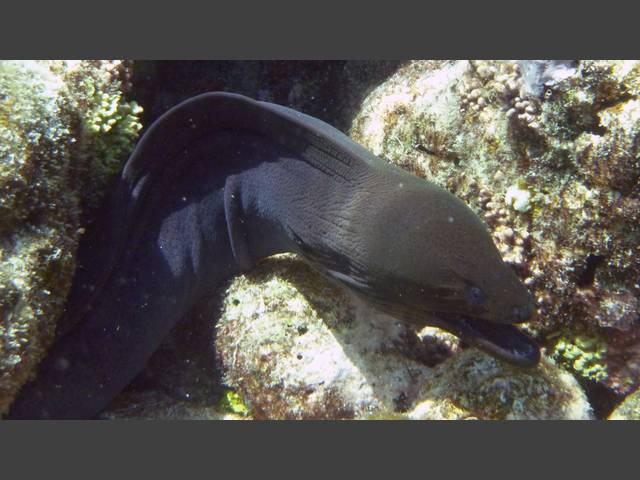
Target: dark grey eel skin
{"x": 221, "y": 181}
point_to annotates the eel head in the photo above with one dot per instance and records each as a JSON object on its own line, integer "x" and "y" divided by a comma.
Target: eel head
{"x": 427, "y": 259}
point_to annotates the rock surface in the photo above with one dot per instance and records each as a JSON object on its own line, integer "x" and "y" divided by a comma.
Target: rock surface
{"x": 629, "y": 409}
{"x": 63, "y": 130}
{"x": 296, "y": 346}
{"x": 472, "y": 385}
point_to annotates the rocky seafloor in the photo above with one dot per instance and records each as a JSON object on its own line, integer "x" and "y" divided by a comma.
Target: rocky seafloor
{"x": 545, "y": 152}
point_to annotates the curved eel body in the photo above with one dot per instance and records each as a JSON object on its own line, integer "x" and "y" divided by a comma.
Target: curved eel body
{"x": 221, "y": 181}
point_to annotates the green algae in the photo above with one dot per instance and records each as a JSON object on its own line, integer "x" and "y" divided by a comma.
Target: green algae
{"x": 232, "y": 402}
{"x": 107, "y": 126}
{"x": 582, "y": 354}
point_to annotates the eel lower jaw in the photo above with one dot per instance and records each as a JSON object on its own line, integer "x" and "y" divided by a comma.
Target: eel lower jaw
{"x": 503, "y": 341}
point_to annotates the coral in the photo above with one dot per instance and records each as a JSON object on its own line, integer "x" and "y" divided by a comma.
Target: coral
{"x": 582, "y": 354}
{"x": 297, "y": 347}
{"x": 43, "y": 179}
{"x": 554, "y": 173}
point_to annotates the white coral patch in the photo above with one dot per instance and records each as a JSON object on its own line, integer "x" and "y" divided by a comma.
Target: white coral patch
{"x": 518, "y": 198}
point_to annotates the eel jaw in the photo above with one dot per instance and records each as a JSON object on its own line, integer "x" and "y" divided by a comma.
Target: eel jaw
{"x": 504, "y": 341}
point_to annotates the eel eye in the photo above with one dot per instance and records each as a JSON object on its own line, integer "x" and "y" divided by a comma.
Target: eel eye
{"x": 476, "y": 296}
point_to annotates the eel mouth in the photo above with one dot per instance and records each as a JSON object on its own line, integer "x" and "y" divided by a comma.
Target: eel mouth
{"x": 504, "y": 341}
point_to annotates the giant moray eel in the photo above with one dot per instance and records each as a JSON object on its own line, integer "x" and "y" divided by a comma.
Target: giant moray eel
{"x": 219, "y": 182}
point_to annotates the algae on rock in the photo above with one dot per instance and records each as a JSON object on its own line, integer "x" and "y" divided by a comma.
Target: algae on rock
{"x": 43, "y": 189}
{"x": 473, "y": 385}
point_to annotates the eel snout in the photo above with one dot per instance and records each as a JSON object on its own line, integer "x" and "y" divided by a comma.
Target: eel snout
{"x": 504, "y": 341}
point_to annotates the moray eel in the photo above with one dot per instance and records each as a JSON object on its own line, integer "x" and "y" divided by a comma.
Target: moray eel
{"x": 219, "y": 182}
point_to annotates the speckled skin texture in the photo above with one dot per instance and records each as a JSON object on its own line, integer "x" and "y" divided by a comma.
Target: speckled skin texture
{"x": 222, "y": 181}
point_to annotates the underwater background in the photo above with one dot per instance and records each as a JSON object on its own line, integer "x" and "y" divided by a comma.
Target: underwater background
{"x": 545, "y": 152}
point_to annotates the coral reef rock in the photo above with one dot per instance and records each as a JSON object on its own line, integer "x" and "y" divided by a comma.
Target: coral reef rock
{"x": 472, "y": 385}
{"x": 290, "y": 344}
{"x": 64, "y": 127}
{"x": 629, "y": 409}
{"x": 547, "y": 154}
{"x": 296, "y": 346}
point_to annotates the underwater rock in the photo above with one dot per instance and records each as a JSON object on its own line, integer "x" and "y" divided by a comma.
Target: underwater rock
{"x": 55, "y": 119}
{"x": 536, "y": 74}
{"x": 37, "y": 238}
{"x": 473, "y": 385}
{"x": 629, "y": 409}
{"x": 290, "y": 343}
{"x": 295, "y": 346}
{"x": 156, "y": 405}
{"x": 555, "y": 177}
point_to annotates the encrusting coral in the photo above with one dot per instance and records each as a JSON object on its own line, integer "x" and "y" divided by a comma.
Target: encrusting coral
{"x": 474, "y": 385}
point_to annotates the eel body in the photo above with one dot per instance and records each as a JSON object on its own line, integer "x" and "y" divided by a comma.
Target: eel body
{"x": 219, "y": 182}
